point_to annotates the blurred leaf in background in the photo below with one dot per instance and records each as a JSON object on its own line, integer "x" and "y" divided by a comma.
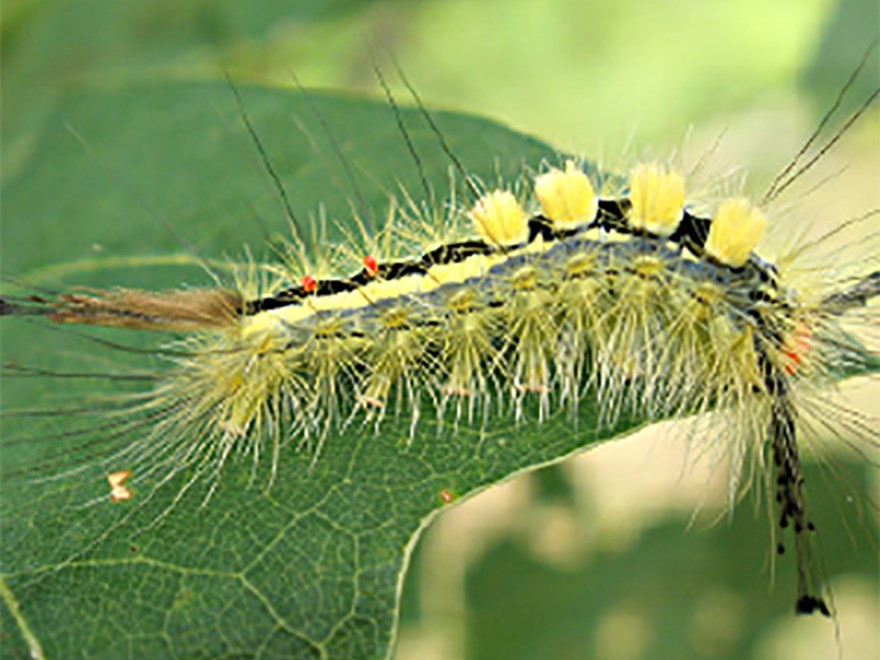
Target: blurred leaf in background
{"x": 850, "y": 25}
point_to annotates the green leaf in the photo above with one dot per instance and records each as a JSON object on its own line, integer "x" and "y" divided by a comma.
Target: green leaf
{"x": 849, "y": 35}
{"x": 50, "y": 46}
{"x": 125, "y": 188}
{"x": 697, "y": 594}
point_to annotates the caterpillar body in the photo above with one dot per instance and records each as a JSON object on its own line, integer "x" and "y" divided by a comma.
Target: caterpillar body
{"x": 519, "y": 304}
{"x": 577, "y": 298}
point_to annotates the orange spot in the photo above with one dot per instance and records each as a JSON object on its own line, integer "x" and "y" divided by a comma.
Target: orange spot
{"x": 796, "y": 347}
{"x": 308, "y": 284}
{"x": 532, "y": 388}
{"x": 119, "y": 492}
{"x": 371, "y": 265}
{"x": 372, "y": 402}
{"x": 451, "y": 390}
{"x": 446, "y": 496}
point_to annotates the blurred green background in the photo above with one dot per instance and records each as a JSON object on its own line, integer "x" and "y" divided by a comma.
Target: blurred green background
{"x": 592, "y": 558}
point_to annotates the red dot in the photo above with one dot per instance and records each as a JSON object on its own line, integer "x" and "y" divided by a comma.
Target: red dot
{"x": 308, "y": 284}
{"x": 796, "y": 348}
{"x": 371, "y": 265}
{"x": 446, "y": 496}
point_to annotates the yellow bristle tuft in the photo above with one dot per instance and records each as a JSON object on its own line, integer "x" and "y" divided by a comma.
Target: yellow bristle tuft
{"x": 736, "y": 230}
{"x": 566, "y": 197}
{"x": 657, "y": 198}
{"x": 499, "y": 219}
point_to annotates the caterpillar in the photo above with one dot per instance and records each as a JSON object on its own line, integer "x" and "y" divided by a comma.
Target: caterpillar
{"x": 518, "y": 304}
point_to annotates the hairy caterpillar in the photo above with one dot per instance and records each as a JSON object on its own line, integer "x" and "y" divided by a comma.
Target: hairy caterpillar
{"x": 546, "y": 294}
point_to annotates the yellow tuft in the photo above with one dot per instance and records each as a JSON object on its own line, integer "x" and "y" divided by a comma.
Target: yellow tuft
{"x": 735, "y": 231}
{"x": 657, "y": 198}
{"x": 567, "y": 198}
{"x": 499, "y": 219}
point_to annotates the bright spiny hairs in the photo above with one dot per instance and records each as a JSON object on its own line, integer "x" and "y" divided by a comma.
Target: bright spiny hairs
{"x": 634, "y": 299}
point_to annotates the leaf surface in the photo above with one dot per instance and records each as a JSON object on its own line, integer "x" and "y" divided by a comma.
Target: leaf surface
{"x": 134, "y": 187}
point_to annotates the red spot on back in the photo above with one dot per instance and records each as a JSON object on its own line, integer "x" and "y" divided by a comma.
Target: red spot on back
{"x": 371, "y": 265}
{"x": 308, "y": 283}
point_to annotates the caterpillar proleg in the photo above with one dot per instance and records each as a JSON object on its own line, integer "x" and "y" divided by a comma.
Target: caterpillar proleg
{"x": 514, "y": 303}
